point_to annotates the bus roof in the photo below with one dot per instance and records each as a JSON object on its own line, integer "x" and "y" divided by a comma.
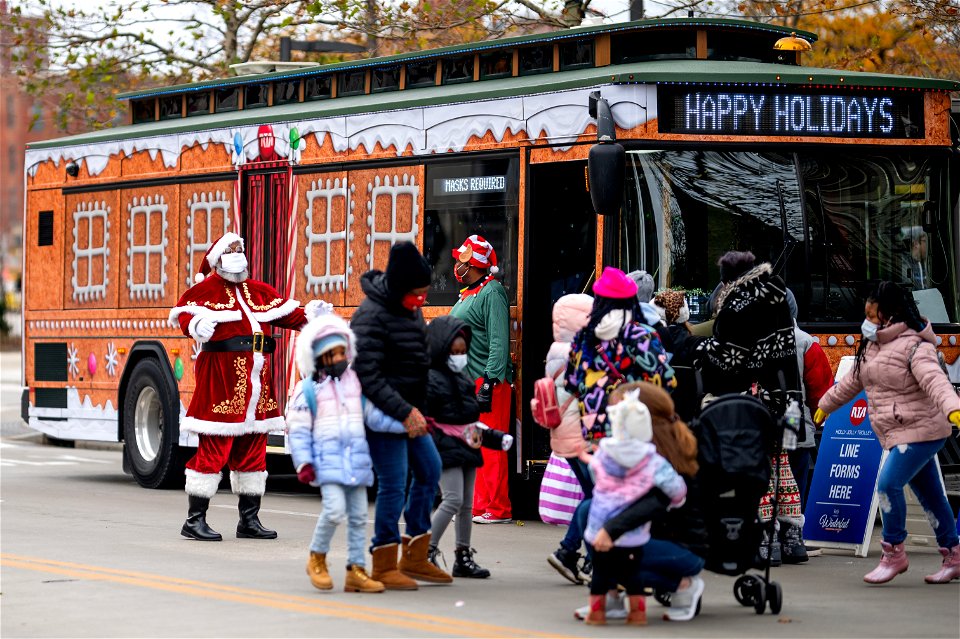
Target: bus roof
{"x": 474, "y": 47}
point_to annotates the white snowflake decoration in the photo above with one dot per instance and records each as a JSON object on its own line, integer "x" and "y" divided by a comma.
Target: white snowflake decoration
{"x": 200, "y": 217}
{"x": 73, "y": 361}
{"x": 91, "y": 212}
{"x": 111, "y": 360}
{"x": 329, "y": 280}
{"x": 408, "y": 188}
{"x": 142, "y": 212}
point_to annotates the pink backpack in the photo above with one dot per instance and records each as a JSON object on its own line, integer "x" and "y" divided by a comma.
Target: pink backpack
{"x": 545, "y": 406}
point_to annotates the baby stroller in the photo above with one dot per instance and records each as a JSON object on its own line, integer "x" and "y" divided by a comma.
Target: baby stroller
{"x": 736, "y": 435}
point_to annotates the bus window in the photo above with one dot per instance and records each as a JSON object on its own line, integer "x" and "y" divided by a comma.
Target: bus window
{"x": 876, "y": 217}
{"x": 684, "y": 209}
{"x": 463, "y": 198}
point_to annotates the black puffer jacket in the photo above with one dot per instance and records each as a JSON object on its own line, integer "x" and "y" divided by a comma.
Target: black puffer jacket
{"x": 451, "y": 397}
{"x": 392, "y": 359}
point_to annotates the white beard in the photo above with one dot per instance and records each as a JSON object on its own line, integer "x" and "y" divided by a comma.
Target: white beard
{"x": 236, "y": 278}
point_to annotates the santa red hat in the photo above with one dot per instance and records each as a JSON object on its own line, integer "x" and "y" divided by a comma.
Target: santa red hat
{"x": 477, "y": 252}
{"x": 213, "y": 254}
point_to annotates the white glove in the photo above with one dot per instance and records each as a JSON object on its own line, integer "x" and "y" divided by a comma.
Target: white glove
{"x": 204, "y": 328}
{"x": 316, "y": 308}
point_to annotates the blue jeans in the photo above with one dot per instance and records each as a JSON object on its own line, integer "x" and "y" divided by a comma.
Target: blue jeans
{"x": 915, "y": 464}
{"x": 574, "y": 537}
{"x": 342, "y": 503}
{"x": 394, "y": 456}
{"x": 665, "y": 563}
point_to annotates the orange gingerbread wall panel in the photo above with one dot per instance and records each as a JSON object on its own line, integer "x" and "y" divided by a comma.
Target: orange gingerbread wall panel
{"x": 91, "y": 277}
{"x": 44, "y": 264}
{"x": 142, "y": 164}
{"x": 148, "y": 241}
{"x": 206, "y": 211}
{"x": 199, "y": 159}
{"x": 387, "y": 207}
{"x": 324, "y": 237}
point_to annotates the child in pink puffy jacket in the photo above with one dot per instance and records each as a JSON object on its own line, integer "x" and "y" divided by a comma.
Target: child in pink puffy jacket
{"x": 911, "y": 406}
{"x": 570, "y": 314}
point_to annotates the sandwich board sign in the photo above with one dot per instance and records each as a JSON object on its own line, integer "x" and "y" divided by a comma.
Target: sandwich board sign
{"x": 842, "y": 502}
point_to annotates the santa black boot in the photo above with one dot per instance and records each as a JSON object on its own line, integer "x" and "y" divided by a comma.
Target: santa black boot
{"x": 196, "y": 525}
{"x": 250, "y": 526}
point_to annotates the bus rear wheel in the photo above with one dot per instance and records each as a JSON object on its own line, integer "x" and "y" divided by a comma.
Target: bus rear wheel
{"x": 150, "y": 428}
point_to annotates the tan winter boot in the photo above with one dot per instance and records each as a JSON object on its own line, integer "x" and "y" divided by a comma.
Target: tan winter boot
{"x": 317, "y": 569}
{"x": 358, "y": 581}
{"x": 385, "y": 569}
{"x": 414, "y": 562}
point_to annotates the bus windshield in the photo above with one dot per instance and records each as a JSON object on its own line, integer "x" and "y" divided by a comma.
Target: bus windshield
{"x": 831, "y": 224}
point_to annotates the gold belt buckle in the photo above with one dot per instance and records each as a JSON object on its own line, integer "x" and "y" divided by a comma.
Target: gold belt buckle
{"x": 258, "y": 342}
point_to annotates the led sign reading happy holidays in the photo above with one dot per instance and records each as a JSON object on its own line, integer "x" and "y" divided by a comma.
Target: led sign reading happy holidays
{"x": 874, "y": 114}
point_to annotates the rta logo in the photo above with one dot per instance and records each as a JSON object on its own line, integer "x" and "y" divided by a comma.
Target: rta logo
{"x": 859, "y": 412}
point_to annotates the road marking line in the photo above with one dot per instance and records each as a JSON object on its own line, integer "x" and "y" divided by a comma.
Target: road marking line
{"x": 447, "y": 626}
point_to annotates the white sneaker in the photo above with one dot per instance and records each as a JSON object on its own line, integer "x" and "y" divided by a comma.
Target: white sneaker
{"x": 684, "y": 603}
{"x": 487, "y": 518}
{"x": 616, "y": 607}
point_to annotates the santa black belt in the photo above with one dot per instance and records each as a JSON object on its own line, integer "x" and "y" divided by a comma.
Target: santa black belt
{"x": 258, "y": 343}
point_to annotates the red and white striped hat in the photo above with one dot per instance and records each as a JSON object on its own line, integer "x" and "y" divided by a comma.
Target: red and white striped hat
{"x": 213, "y": 254}
{"x": 477, "y": 252}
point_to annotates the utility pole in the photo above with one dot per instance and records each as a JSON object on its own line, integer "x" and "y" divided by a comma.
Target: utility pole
{"x": 636, "y": 10}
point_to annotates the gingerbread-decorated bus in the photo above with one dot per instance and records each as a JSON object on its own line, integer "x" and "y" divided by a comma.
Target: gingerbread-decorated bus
{"x": 837, "y": 178}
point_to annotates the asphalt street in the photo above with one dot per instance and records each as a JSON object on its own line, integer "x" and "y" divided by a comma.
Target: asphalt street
{"x": 87, "y": 553}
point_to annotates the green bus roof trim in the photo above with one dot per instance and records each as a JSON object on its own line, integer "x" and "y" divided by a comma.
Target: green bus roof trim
{"x": 707, "y": 72}
{"x": 504, "y": 43}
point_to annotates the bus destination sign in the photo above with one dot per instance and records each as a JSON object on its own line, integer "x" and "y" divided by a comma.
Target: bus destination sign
{"x": 716, "y": 111}
{"x": 471, "y": 184}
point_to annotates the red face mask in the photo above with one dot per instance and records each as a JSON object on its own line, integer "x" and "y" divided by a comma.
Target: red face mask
{"x": 412, "y": 302}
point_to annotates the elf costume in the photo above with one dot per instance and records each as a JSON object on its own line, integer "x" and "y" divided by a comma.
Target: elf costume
{"x": 484, "y": 307}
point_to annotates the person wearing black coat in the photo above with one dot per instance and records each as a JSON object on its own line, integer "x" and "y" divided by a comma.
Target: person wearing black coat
{"x": 392, "y": 364}
{"x": 451, "y": 400}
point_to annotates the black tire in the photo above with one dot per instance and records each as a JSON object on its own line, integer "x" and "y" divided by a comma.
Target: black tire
{"x": 775, "y": 597}
{"x": 761, "y": 601}
{"x": 151, "y": 427}
{"x": 745, "y": 590}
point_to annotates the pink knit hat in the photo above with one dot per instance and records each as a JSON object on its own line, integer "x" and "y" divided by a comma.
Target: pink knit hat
{"x": 615, "y": 284}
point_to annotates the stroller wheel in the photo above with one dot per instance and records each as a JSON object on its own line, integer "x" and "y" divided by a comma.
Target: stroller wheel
{"x": 745, "y": 590}
{"x": 761, "y": 602}
{"x": 662, "y": 597}
{"x": 775, "y": 597}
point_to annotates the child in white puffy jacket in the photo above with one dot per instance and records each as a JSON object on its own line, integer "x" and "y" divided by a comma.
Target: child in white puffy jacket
{"x": 570, "y": 314}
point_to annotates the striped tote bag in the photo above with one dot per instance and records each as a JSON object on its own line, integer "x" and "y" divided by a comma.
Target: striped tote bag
{"x": 560, "y": 492}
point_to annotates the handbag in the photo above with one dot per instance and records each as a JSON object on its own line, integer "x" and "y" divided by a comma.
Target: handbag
{"x": 560, "y": 492}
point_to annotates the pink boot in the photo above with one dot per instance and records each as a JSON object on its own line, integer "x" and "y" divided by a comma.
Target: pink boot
{"x": 950, "y": 569}
{"x": 893, "y": 561}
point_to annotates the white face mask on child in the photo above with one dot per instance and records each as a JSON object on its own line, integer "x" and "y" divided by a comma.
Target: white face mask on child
{"x": 457, "y": 362}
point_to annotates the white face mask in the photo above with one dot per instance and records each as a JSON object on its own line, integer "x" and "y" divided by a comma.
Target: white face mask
{"x": 611, "y": 323}
{"x": 869, "y": 330}
{"x": 457, "y": 362}
{"x": 233, "y": 262}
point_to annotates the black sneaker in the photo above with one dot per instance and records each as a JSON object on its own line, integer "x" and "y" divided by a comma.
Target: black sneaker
{"x": 565, "y": 562}
{"x": 585, "y": 570}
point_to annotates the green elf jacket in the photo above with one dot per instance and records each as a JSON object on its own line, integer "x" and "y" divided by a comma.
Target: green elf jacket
{"x": 487, "y": 313}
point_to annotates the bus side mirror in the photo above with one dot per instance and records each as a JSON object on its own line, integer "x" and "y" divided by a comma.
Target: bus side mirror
{"x": 606, "y": 166}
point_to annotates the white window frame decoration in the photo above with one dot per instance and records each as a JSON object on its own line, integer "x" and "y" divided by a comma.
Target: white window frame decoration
{"x": 326, "y": 192}
{"x": 91, "y": 211}
{"x": 406, "y": 187}
{"x": 203, "y": 204}
{"x": 146, "y": 208}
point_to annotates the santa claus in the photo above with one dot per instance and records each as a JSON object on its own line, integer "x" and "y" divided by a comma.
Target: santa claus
{"x": 233, "y": 407}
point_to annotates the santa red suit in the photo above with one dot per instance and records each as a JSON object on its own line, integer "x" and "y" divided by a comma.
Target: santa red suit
{"x": 233, "y": 406}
